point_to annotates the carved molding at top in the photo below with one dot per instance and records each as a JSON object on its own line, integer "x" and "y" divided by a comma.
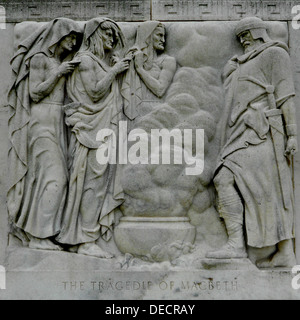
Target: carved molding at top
{"x": 221, "y": 9}
{"x": 39, "y": 10}
{"x": 141, "y": 10}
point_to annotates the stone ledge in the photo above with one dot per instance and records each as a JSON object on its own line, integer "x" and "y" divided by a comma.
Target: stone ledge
{"x": 20, "y": 259}
{"x": 61, "y": 275}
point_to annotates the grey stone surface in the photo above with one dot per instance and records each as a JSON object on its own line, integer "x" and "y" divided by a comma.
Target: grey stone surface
{"x": 294, "y": 50}
{"x": 119, "y": 10}
{"x": 142, "y": 10}
{"x": 261, "y": 111}
{"x": 194, "y": 99}
{"x": 221, "y": 9}
{"x": 62, "y": 275}
{"x": 3, "y": 187}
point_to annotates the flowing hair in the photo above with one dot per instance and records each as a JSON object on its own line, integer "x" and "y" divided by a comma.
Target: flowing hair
{"x": 95, "y": 41}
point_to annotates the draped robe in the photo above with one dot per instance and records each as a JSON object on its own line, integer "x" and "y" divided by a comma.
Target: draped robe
{"x": 248, "y": 149}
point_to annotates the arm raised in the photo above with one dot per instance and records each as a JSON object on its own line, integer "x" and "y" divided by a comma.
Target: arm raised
{"x": 40, "y": 83}
{"x": 97, "y": 82}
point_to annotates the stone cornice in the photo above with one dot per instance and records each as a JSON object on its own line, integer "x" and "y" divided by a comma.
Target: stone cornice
{"x": 141, "y": 10}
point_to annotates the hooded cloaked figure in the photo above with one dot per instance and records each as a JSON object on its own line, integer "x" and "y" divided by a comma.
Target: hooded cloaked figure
{"x": 37, "y": 162}
{"x": 139, "y": 97}
{"x": 259, "y": 88}
{"x": 94, "y": 188}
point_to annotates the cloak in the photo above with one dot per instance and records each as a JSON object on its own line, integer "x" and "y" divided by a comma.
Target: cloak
{"x": 44, "y": 41}
{"x": 95, "y": 189}
{"x": 248, "y": 149}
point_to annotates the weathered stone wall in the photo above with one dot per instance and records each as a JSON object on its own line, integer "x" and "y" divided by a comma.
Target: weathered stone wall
{"x": 176, "y": 14}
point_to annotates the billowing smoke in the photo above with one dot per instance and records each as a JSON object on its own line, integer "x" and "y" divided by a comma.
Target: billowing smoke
{"x": 193, "y": 101}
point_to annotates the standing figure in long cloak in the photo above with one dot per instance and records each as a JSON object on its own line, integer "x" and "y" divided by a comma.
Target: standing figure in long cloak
{"x": 95, "y": 189}
{"x": 253, "y": 178}
{"x": 37, "y": 155}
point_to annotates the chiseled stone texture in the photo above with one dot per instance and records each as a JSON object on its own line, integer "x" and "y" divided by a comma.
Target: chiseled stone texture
{"x": 221, "y": 9}
{"x": 294, "y": 44}
{"x": 7, "y": 39}
{"x": 200, "y": 56}
{"x": 60, "y": 275}
{"x": 142, "y": 10}
{"x": 119, "y": 10}
{"x": 196, "y": 47}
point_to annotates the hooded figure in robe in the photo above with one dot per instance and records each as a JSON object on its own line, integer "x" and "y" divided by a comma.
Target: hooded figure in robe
{"x": 94, "y": 189}
{"x": 37, "y": 154}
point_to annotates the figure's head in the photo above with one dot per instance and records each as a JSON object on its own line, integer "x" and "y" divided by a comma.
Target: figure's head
{"x": 251, "y": 32}
{"x": 150, "y": 38}
{"x": 151, "y": 35}
{"x": 60, "y": 35}
{"x": 101, "y": 36}
{"x": 158, "y": 37}
{"x": 108, "y": 34}
{"x": 69, "y": 42}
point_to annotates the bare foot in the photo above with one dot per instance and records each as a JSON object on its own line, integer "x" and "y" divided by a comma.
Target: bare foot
{"x": 43, "y": 244}
{"x": 279, "y": 259}
{"x": 283, "y": 257}
{"x": 228, "y": 252}
{"x": 91, "y": 249}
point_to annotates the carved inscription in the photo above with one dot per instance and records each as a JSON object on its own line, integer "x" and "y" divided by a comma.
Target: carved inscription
{"x": 167, "y": 285}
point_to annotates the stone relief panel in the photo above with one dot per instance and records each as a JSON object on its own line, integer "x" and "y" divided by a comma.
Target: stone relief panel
{"x": 87, "y": 102}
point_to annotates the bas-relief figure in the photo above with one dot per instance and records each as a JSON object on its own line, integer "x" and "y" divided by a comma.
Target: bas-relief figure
{"x": 37, "y": 157}
{"x": 94, "y": 189}
{"x": 100, "y": 81}
{"x": 253, "y": 179}
{"x": 150, "y": 73}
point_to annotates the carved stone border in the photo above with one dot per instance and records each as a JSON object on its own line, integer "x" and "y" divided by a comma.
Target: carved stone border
{"x": 229, "y": 10}
{"x": 141, "y": 10}
{"x": 39, "y": 10}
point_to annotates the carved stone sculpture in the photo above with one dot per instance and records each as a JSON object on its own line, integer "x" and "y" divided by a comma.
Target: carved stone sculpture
{"x": 150, "y": 73}
{"x": 37, "y": 157}
{"x": 94, "y": 188}
{"x": 152, "y": 150}
{"x": 253, "y": 178}
{"x": 158, "y": 196}
{"x": 109, "y": 82}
